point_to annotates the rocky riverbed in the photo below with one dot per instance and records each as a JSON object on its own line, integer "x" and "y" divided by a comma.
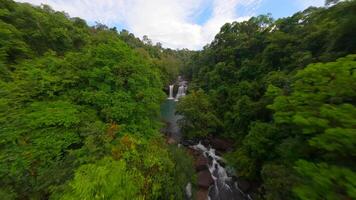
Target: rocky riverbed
{"x": 213, "y": 181}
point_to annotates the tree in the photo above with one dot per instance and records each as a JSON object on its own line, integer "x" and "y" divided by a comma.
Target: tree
{"x": 146, "y": 40}
{"x": 322, "y": 109}
{"x": 106, "y": 179}
{"x": 261, "y": 62}
{"x": 73, "y": 101}
{"x": 329, "y": 2}
{"x": 199, "y": 119}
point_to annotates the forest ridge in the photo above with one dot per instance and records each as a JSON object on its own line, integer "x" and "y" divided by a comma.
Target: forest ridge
{"x": 80, "y": 106}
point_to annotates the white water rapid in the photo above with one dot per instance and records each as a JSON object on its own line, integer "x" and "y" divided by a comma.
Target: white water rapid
{"x": 224, "y": 187}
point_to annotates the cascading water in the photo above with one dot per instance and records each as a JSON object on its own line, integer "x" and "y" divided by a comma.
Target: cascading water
{"x": 171, "y": 87}
{"x": 180, "y": 93}
{"x": 224, "y": 188}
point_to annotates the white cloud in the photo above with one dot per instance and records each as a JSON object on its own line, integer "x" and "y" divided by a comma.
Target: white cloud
{"x": 169, "y": 21}
{"x": 166, "y": 21}
{"x": 104, "y": 11}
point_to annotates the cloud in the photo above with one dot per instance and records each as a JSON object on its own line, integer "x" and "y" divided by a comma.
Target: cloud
{"x": 104, "y": 11}
{"x": 167, "y": 21}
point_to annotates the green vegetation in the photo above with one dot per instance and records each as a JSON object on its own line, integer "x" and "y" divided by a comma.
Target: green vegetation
{"x": 199, "y": 120}
{"x": 79, "y": 110}
{"x": 79, "y": 106}
{"x": 284, "y": 90}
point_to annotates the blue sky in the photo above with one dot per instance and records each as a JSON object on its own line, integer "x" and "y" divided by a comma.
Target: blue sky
{"x": 175, "y": 23}
{"x": 284, "y": 8}
{"x": 278, "y": 9}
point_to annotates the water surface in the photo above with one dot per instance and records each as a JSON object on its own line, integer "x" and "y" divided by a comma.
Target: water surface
{"x": 168, "y": 109}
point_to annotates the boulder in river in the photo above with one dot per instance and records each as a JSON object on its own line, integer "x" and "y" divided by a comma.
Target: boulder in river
{"x": 187, "y": 143}
{"x": 221, "y": 144}
{"x": 202, "y": 194}
{"x": 171, "y": 141}
{"x": 244, "y": 185}
{"x": 204, "y": 179}
{"x": 201, "y": 163}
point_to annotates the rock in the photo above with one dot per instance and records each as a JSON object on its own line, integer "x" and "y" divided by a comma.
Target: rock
{"x": 187, "y": 143}
{"x": 171, "y": 141}
{"x": 202, "y": 194}
{"x": 190, "y": 151}
{"x": 204, "y": 179}
{"x": 221, "y": 144}
{"x": 193, "y": 153}
{"x": 201, "y": 163}
{"x": 205, "y": 142}
{"x": 165, "y": 129}
{"x": 222, "y": 163}
{"x": 243, "y": 185}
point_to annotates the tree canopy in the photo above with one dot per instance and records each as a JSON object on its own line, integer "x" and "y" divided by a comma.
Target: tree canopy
{"x": 284, "y": 91}
{"x": 79, "y": 106}
{"x": 79, "y": 110}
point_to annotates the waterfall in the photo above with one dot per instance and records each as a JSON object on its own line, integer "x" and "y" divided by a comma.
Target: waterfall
{"x": 171, "y": 92}
{"x": 180, "y": 92}
{"x": 182, "y": 89}
{"x": 224, "y": 186}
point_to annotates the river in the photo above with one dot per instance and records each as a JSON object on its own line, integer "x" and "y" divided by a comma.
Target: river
{"x": 224, "y": 187}
{"x": 168, "y": 109}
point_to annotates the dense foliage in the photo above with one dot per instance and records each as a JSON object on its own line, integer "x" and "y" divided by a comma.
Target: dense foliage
{"x": 167, "y": 60}
{"x": 79, "y": 106}
{"x": 79, "y": 111}
{"x": 199, "y": 120}
{"x": 285, "y": 91}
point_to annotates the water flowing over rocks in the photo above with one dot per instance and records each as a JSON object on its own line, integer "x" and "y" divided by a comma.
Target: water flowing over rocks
{"x": 213, "y": 176}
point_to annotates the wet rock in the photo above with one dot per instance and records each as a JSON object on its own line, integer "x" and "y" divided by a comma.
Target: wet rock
{"x": 193, "y": 153}
{"x": 221, "y": 144}
{"x": 201, "y": 163}
{"x": 187, "y": 143}
{"x": 205, "y": 142}
{"x": 171, "y": 141}
{"x": 243, "y": 185}
{"x": 222, "y": 163}
{"x": 204, "y": 179}
{"x": 219, "y": 152}
{"x": 202, "y": 194}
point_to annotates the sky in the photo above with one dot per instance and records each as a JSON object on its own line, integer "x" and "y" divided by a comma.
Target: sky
{"x": 175, "y": 24}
